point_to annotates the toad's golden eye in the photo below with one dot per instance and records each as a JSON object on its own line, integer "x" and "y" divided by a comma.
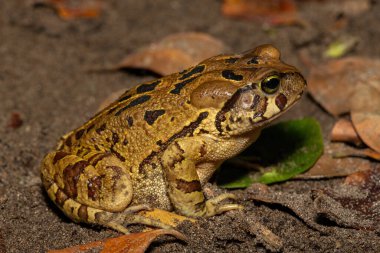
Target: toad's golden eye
{"x": 271, "y": 84}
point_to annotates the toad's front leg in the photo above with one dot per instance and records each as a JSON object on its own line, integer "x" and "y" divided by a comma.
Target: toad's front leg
{"x": 180, "y": 163}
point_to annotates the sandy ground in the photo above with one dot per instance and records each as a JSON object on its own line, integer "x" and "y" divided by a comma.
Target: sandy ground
{"x": 44, "y": 78}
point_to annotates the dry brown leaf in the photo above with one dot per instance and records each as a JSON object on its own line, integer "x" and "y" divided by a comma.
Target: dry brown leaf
{"x": 136, "y": 243}
{"x": 351, "y": 85}
{"x": 174, "y": 53}
{"x": 345, "y": 151}
{"x": 72, "y": 9}
{"x": 333, "y": 83}
{"x": 365, "y": 113}
{"x": 327, "y": 166}
{"x": 368, "y": 127}
{"x": 366, "y": 96}
{"x": 344, "y": 131}
{"x": 370, "y": 153}
{"x": 277, "y": 12}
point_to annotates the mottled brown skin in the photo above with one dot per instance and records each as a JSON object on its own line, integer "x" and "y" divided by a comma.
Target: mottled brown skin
{"x": 159, "y": 143}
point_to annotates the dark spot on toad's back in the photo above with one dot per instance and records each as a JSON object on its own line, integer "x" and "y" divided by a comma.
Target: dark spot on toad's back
{"x": 196, "y": 70}
{"x": 125, "y": 97}
{"x": 115, "y": 138}
{"x": 230, "y": 75}
{"x": 58, "y": 156}
{"x": 68, "y": 141}
{"x": 90, "y": 127}
{"x": 147, "y": 87}
{"x": 79, "y": 134}
{"x": 112, "y": 110}
{"x": 101, "y": 128}
{"x": 231, "y": 60}
{"x": 117, "y": 154}
{"x": 130, "y": 121}
{"x": 133, "y": 103}
{"x": 179, "y": 86}
{"x": 151, "y": 116}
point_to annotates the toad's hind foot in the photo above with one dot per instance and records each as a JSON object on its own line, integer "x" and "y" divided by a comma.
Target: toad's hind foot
{"x": 213, "y": 206}
{"x": 119, "y": 221}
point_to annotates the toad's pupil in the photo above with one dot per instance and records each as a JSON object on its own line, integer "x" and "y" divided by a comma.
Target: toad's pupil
{"x": 272, "y": 83}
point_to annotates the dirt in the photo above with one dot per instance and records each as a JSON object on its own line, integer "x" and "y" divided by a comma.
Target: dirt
{"x": 44, "y": 77}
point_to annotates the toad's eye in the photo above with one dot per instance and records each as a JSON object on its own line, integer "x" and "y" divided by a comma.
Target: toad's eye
{"x": 270, "y": 84}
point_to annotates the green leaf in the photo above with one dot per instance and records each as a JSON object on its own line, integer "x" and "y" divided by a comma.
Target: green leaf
{"x": 289, "y": 148}
{"x": 285, "y": 150}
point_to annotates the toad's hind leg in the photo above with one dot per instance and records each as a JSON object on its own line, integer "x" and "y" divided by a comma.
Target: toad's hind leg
{"x": 94, "y": 189}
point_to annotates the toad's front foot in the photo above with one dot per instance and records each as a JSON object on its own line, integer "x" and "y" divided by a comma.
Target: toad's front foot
{"x": 119, "y": 221}
{"x": 213, "y": 206}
